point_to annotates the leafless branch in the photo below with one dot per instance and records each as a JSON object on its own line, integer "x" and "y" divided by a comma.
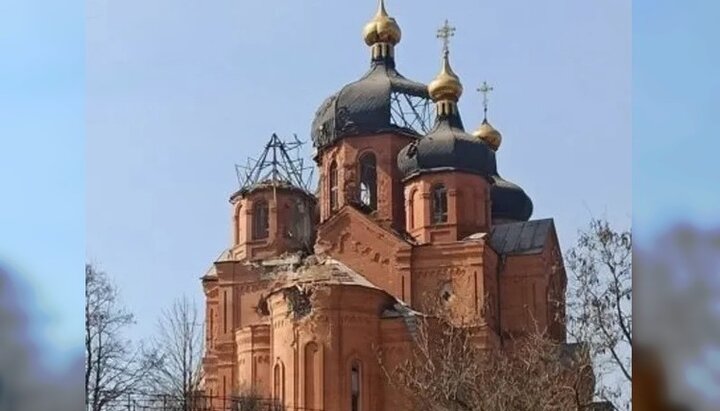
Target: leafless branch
{"x": 179, "y": 345}
{"x": 113, "y": 367}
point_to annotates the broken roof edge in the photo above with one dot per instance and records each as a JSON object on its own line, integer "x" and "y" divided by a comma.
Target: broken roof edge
{"x": 225, "y": 255}
{"x": 271, "y": 185}
{"x": 400, "y": 309}
{"x": 297, "y": 274}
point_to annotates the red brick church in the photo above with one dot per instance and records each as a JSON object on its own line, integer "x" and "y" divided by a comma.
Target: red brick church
{"x": 410, "y": 209}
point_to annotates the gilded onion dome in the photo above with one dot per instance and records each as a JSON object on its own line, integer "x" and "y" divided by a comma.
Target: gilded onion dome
{"x": 447, "y": 146}
{"x": 365, "y": 106}
{"x": 487, "y": 133}
{"x": 446, "y": 85}
{"x": 382, "y": 28}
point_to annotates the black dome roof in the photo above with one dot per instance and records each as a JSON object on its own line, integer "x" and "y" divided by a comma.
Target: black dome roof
{"x": 363, "y": 107}
{"x": 509, "y": 201}
{"x": 447, "y": 147}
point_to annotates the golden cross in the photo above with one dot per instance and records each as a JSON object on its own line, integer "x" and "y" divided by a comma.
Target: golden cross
{"x": 485, "y": 89}
{"x": 444, "y": 33}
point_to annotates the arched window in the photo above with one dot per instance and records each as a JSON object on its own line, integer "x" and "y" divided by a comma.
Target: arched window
{"x": 333, "y": 186}
{"x": 313, "y": 378}
{"x": 439, "y": 204}
{"x": 279, "y": 383}
{"x": 237, "y": 231}
{"x": 260, "y": 220}
{"x": 211, "y": 328}
{"x": 411, "y": 209}
{"x": 355, "y": 383}
{"x": 368, "y": 180}
{"x": 300, "y": 224}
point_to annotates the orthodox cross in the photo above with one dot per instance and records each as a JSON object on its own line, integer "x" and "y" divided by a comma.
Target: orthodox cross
{"x": 485, "y": 89}
{"x": 444, "y": 33}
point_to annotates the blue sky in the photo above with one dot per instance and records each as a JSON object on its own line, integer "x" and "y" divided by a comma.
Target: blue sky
{"x": 42, "y": 169}
{"x": 148, "y": 123}
{"x": 179, "y": 91}
{"x": 676, "y": 95}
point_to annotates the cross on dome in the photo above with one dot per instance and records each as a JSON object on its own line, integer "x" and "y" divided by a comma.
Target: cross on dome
{"x": 485, "y": 89}
{"x": 444, "y": 33}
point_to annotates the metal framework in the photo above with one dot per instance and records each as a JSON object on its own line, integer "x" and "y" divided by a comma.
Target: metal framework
{"x": 411, "y": 112}
{"x": 157, "y": 402}
{"x": 280, "y": 162}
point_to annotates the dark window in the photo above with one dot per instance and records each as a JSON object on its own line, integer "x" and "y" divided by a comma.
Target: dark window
{"x": 225, "y": 311}
{"x": 368, "y": 180}
{"x": 276, "y": 381}
{"x": 260, "y": 220}
{"x": 333, "y": 186}
{"x": 355, "y": 387}
{"x": 411, "y": 209}
{"x": 211, "y": 326}
{"x": 300, "y": 225}
{"x": 279, "y": 383}
{"x": 439, "y": 204}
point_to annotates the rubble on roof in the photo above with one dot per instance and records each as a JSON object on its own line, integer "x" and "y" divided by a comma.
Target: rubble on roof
{"x": 296, "y": 271}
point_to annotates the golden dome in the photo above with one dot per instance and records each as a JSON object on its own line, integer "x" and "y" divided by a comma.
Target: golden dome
{"x": 382, "y": 28}
{"x": 446, "y": 85}
{"x": 489, "y": 135}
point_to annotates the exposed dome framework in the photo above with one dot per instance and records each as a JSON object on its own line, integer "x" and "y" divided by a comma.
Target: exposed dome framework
{"x": 382, "y": 100}
{"x": 280, "y": 164}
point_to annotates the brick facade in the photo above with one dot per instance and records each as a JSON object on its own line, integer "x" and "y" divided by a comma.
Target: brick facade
{"x": 316, "y": 290}
{"x": 255, "y": 344}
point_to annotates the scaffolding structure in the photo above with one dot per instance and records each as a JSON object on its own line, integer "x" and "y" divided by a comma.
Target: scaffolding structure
{"x": 280, "y": 163}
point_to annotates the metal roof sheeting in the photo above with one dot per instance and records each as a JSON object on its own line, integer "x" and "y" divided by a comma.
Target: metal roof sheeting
{"x": 526, "y": 237}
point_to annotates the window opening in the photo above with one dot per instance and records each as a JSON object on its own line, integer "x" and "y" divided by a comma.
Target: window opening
{"x": 439, "y": 204}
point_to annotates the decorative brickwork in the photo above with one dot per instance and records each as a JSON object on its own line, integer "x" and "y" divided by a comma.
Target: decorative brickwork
{"x": 316, "y": 291}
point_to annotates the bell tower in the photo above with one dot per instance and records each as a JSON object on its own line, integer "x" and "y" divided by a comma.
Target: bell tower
{"x": 447, "y": 172}
{"x": 359, "y": 131}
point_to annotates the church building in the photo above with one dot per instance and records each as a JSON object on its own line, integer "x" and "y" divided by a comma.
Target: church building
{"x": 319, "y": 286}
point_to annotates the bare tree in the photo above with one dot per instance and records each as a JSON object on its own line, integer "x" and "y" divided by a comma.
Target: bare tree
{"x": 448, "y": 370}
{"x": 113, "y": 368}
{"x": 600, "y": 305}
{"x": 179, "y": 343}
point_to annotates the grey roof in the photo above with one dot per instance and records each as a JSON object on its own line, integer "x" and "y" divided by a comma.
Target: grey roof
{"x": 447, "y": 147}
{"x": 509, "y": 201}
{"x": 363, "y": 107}
{"x": 526, "y": 237}
{"x": 224, "y": 256}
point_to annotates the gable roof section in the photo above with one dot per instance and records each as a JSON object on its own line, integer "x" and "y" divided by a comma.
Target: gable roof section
{"x": 350, "y": 209}
{"x": 326, "y": 271}
{"x": 212, "y": 271}
{"x": 525, "y": 237}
